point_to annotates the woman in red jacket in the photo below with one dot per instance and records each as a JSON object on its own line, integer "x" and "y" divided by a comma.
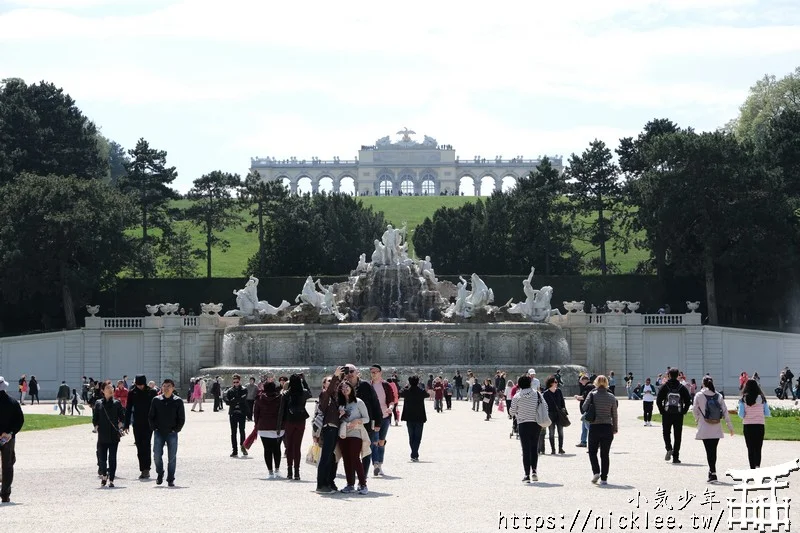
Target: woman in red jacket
{"x": 121, "y": 394}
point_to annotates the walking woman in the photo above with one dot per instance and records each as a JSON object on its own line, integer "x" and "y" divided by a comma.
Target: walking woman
{"x": 268, "y": 416}
{"x": 488, "y": 398}
{"x": 353, "y": 415}
{"x": 197, "y": 394}
{"x": 108, "y": 419}
{"x": 523, "y": 406}
{"x": 295, "y": 426}
{"x": 602, "y": 429}
{"x": 414, "y": 414}
{"x": 709, "y": 409}
{"x": 555, "y": 404}
{"x": 507, "y": 395}
{"x": 753, "y": 408}
{"x": 33, "y": 390}
{"x": 121, "y": 394}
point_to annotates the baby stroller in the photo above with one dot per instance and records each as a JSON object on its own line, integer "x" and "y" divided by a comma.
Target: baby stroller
{"x": 779, "y": 393}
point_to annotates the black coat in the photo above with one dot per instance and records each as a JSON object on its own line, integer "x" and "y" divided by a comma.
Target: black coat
{"x": 367, "y": 394}
{"x": 33, "y": 387}
{"x": 295, "y": 406}
{"x": 167, "y": 414}
{"x": 413, "y": 404}
{"x": 11, "y": 417}
{"x": 107, "y": 415}
{"x": 139, "y": 402}
{"x": 236, "y": 398}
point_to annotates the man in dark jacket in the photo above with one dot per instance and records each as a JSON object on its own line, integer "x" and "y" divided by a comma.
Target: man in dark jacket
{"x": 11, "y": 421}
{"x": 414, "y": 414}
{"x": 216, "y": 392}
{"x": 166, "y": 417}
{"x": 458, "y": 381}
{"x": 63, "y": 397}
{"x": 140, "y": 397}
{"x": 367, "y": 394}
{"x": 236, "y": 398}
{"x": 673, "y": 402}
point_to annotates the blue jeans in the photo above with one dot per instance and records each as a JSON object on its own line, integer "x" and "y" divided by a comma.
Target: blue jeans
{"x": 378, "y": 451}
{"x": 415, "y": 437}
{"x": 629, "y": 390}
{"x": 584, "y": 430}
{"x": 171, "y": 441}
{"x": 326, "y": 469}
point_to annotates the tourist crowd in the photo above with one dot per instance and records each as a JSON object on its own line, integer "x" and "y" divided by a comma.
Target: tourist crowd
{"x": 353, "y": 415}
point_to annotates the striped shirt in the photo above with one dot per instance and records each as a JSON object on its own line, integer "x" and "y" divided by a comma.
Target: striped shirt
{"x": 524, "y": 405}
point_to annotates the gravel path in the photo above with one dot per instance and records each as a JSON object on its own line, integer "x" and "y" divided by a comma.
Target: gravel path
{"x": 468, "y": 479}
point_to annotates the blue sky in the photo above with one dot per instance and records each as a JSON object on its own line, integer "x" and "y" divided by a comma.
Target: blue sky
{"x": 215, "y": 83}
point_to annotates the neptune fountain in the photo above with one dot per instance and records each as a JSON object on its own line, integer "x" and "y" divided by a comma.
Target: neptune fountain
{"x": 394, "y": 311}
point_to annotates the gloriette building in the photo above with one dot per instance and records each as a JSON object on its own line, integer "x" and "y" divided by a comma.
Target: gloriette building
{"x": 405, "y": 166}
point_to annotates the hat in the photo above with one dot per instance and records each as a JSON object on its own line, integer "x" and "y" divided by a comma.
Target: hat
{"x": 532, "y": 371}
{"x": 140, "y": 379}
{"x": 378, "y": 367}
{"x": 3, "y": 384}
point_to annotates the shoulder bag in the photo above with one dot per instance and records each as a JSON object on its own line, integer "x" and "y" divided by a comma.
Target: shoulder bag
{"x": 542, "y": 412}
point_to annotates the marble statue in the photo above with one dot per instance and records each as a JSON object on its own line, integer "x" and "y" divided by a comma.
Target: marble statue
{"x": 93, "y": 309}
{"x": 406, "y": 133}
{"x": 328, "y": 305}
{"x": 152, "y": 309}
{"x": 692, "y": 306}
{"x": 429, "y": 142}
{"x": 248, "y": 304}
{"x": 633, "y": 306}
{"x": 383, "y": 141}
{"x": 480, "y": 295}
{"x": 537, "y": 302}
{"x": 392, "y": 248}
{"x": 309, "y": 294}
{"x": 362, "y": 263}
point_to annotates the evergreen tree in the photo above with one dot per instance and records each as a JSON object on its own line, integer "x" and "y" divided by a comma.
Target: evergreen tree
{"x": 595, "y": 190}
{"x": 180, "y": 255}
{"x": 214, "y": 209}
{"x": 261, "y": 197}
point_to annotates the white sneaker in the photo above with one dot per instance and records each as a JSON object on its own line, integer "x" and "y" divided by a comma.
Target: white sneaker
{"x": 534, "y": 477}
{"x": 277, "y": 475}
{"x": 271, "y": 475}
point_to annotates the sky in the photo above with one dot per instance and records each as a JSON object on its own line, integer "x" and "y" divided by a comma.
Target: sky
{"x": 215, "y": 83}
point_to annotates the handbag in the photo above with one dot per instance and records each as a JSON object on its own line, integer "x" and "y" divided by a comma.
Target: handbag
{"x": 313, "y": 454}
{"x": 501, "y": 407}
{"x": 487, "y": 399}
{"x": 563, "y": 416}
{"x": 542, "y": 412}
{"x": 589, "y": 415}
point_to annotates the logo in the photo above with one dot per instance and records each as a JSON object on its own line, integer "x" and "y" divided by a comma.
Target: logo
{"x": 760, "y": 512}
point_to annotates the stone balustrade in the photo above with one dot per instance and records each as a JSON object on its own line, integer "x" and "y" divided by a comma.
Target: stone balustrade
{"x": 628, "y": 319}
{"x": 153, "y": 322}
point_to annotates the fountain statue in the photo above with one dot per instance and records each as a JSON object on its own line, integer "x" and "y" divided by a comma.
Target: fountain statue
{"x": 247, "y": 302}
{"x": 536, "y": 306}
{"x": 471, "y": 303}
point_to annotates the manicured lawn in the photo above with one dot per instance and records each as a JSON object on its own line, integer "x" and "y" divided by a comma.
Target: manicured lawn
{"x": 396, "y": 209}
{"x": 783, "y": 428}
{"x": 38, "y": 422}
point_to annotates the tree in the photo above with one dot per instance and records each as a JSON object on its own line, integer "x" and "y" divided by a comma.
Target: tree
{"x": 214, "y": 209}
{"x": 118, "y": 161}
{"x": 146, "y": 180}
{"x": 262, "y": 197}
{"x": 644, "y": 180}
{"x": 767, "y": 99}
{"x": 595, "y": 190}
{"x": 61, "y": 237}
{"x": 43, "y": 132}
{"x": 319, "y": 234}
{"x": 180, "y": 256}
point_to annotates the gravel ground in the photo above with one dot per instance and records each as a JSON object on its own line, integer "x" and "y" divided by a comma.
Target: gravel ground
{"x": 468, "y": 479}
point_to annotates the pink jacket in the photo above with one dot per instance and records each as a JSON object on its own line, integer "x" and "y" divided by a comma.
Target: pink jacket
{"x": 704, "y": 429}
{"x": 197, "y": 393}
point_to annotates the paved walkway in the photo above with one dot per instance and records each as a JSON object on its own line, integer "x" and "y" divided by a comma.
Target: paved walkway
{"x": 469, "y": 475}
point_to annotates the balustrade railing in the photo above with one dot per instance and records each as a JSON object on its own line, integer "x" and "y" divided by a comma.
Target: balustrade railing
{"x": 123, "y": 323}
{"x": 663, "y": 320}
{"x": 189, "y": 321}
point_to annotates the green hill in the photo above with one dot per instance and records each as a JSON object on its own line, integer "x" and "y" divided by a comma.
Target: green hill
{"x": 410, "y": 209}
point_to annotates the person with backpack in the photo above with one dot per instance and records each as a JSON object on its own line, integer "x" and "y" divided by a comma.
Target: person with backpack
{"x": 673, "y": 402}
{"x": 648, "y": 397}
{"x": 709, "y": 410}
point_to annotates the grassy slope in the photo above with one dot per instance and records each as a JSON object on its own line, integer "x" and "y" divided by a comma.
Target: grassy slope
{"x": 410, "y": 209}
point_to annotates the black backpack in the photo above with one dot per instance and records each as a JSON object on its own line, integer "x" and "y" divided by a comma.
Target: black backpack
{"x": 674, "y": 400}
